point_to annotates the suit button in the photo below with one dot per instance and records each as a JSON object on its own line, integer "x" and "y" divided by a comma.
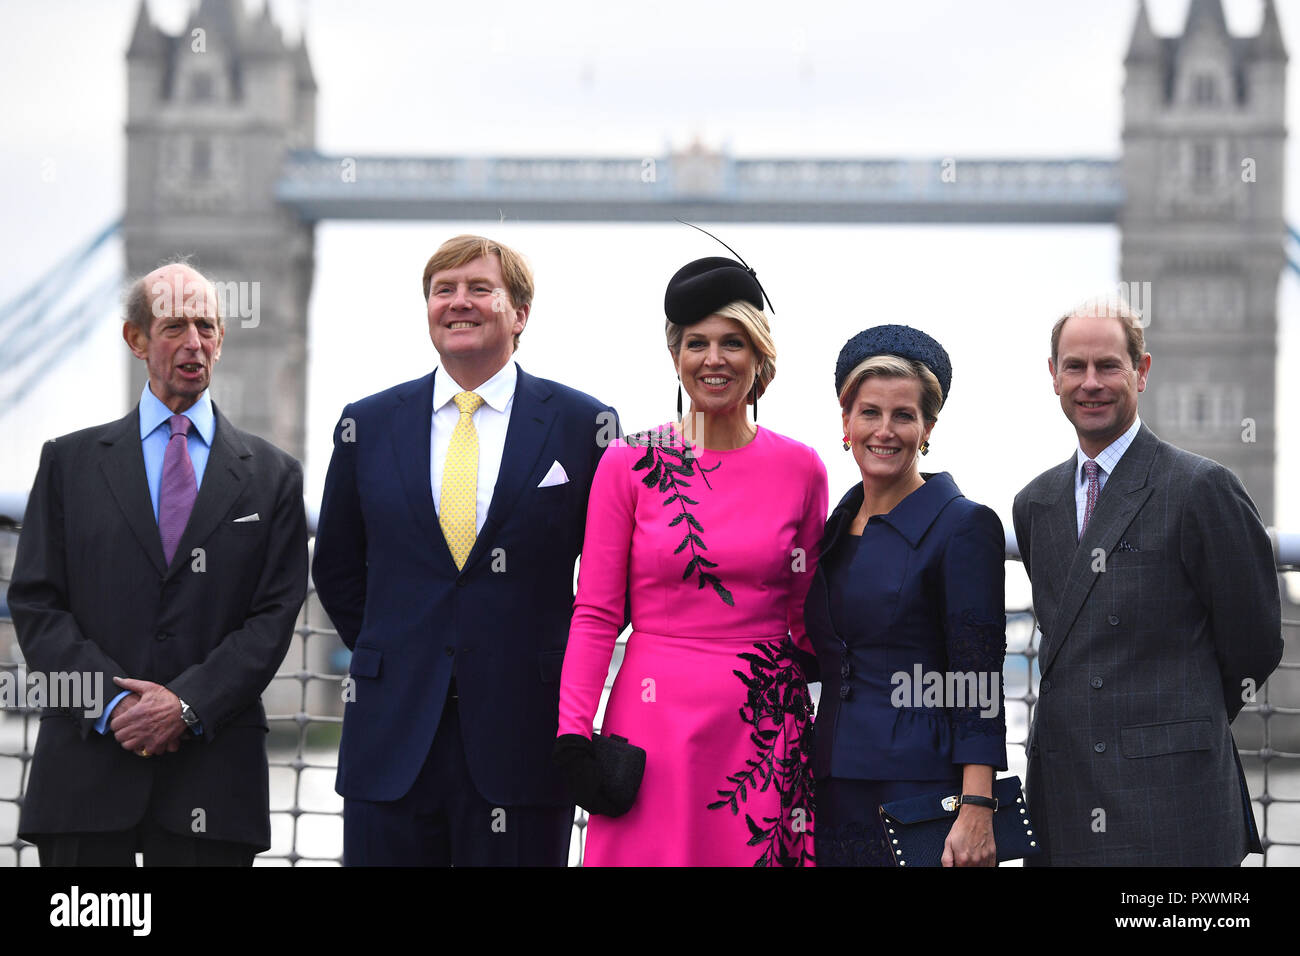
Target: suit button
{"x": 1095, "y": 682}
{"x": 460, "y": 582}
{"x": 1100, "y": 747}
{"x": 845, "y": 690}
{"x": 161, "y": 636}
{"x": 1044, "y": 686}
{"x": 846, "y": 670}
{"x": 1113, "y": 619}
{"x": 449, "y": 651}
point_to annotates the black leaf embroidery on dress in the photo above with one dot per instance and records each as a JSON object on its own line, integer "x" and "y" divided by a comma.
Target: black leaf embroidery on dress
{"x": 668, "y": 464}
{"x": 776, "y": 697}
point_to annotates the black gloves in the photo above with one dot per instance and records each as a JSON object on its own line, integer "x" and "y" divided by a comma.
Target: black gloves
{"x": 575, "y": 756}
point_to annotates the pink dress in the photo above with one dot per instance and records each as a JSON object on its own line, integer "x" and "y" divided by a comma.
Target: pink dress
{"x": 716, "y": 555}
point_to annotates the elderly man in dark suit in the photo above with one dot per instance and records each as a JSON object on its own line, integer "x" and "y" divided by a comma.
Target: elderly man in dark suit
{"x": 453, "y": 512}
{"x": 166, "y": 552}
{"x": 1157, "y": 598}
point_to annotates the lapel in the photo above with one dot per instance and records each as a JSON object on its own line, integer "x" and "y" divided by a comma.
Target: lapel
{"x": 1054, "y": 506}
{"x": 841, "y": 518}
{"x": 411, "y": 435}
{"x": 531, "y": 417}
{"x": 1127, "y": 489}
{"x": 224, "y": 478}
{"x": 123, "y": 470}
{"x": 836, "y": 527}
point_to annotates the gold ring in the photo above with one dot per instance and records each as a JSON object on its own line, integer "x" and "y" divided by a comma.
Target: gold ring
{"x": 143, "y": 752}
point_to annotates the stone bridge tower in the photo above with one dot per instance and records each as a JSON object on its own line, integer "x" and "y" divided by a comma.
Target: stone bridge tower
{"x": 1204, "y": 138}
{"x": 210, "y": 115}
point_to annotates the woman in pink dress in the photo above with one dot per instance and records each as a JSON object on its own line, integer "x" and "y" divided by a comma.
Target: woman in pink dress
{"x": 705, "y": 531}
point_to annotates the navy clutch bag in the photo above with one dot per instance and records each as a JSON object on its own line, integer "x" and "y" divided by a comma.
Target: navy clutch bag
{"x": 918, "y": 826}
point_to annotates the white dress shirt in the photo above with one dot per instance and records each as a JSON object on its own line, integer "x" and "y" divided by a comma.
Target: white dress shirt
{"x": 1106, "y": 462}
{"x": 490, "y": 421}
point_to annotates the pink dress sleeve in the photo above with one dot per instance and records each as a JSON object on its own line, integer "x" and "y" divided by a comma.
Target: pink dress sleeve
{"x": 599, "y": 607}
{"x": 812, "y": 523}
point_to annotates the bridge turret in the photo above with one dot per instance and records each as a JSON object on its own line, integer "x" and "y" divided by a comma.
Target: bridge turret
{"x": 1265, "y": 70}
{"x": 1144, "y": 91}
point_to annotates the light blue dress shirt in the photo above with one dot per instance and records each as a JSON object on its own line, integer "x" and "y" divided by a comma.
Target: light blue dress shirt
{"x": 154, "y": 435}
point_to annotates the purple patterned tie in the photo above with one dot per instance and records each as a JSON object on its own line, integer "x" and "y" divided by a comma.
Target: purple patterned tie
{"x": 177, "y": 492}
{"x": 1094, "y": 489}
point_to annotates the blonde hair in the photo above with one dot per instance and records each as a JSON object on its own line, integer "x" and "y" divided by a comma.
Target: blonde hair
{"x": 895, "y": 366}
{"x": 754, "y": 322}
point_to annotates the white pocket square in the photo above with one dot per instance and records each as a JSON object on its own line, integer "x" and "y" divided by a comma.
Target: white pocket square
{"x": 253, "y": 517}
{"x": 556, "y": 476}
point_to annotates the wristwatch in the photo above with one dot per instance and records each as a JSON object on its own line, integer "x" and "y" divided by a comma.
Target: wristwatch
{"x": 187, "y": 714}
{"x": 977, "y": 801}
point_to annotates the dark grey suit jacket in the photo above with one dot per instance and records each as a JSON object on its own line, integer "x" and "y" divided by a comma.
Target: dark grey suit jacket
{"x": 1151, "y": 626}
{"x": 92, "y": 593}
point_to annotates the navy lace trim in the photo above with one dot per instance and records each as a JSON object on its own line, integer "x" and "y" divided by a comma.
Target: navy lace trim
{"x": 852, "y": 844}
{"x": 980, "y": 647}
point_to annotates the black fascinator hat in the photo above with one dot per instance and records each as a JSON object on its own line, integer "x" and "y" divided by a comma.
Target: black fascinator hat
{"x": 701, "y": 287}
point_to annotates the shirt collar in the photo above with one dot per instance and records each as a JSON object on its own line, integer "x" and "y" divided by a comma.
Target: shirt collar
{"x": 1109, "y": 456}
{"x": 495, "y": 392}
{"x": 154, "y": 413}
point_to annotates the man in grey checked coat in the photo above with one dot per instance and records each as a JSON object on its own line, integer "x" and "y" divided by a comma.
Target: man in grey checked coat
{"x": 1157, "y": 598}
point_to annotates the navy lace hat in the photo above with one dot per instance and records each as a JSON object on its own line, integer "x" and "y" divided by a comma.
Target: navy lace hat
{"x": 901, "y": 340}
{"x": 700, "y": 288}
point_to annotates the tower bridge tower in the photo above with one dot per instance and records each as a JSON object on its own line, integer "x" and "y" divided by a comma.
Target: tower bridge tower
{"x": 211, "y": 113}
{"x": 1202, "y": 221}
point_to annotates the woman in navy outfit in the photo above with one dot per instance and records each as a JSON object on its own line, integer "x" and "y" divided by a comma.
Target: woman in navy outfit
{"x": 906, "y": 615}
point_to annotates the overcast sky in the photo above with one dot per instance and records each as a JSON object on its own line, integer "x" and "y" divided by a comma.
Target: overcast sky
{"x": 924, "y": 78}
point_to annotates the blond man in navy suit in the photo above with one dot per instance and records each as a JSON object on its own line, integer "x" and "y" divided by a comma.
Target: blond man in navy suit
{"x": 458, "y": 627}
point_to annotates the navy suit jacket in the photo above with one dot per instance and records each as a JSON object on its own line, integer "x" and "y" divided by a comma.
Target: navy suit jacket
{"x": 387, "y": 580}
{"x": 927, "y": 596}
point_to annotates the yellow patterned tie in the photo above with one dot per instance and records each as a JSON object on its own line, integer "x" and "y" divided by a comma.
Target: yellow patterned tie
{"x": 458, "y": 511}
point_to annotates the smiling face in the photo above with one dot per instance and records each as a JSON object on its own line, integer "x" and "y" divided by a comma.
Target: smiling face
{"x": 717, "y": 364}
{"x": 885, "y": 427}
{"x": 1096, "y": 380}
{"x": 183, "y": 344}
{"x": 472, "y": 320}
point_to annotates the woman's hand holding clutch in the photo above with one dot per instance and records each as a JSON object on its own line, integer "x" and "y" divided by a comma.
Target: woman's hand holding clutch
{"x": 575, "y": 756}
{"x": 970, "y": 841}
